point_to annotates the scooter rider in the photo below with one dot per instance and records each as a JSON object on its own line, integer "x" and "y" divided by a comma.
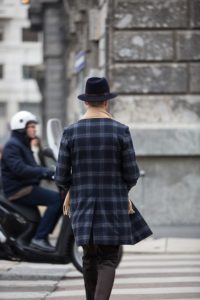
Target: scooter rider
{"x": 21, "y": 177}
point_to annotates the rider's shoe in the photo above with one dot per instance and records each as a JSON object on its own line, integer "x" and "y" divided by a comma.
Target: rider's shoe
{"x": 42, "y": 244}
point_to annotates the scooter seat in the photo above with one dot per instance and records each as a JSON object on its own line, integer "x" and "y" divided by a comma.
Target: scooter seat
{"x": 30, "y": 213}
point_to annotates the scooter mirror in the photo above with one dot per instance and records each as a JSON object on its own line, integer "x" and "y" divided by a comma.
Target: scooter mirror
{"x": 54, "y": 134}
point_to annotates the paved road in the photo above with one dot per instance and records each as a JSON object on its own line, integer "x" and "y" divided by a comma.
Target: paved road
{"x": 139, "y": 277}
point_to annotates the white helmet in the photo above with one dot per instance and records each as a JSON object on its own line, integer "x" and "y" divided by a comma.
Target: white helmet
{"x": 20, "y": 120}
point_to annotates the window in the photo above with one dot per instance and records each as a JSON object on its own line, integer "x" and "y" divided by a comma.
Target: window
{"x": 2, "y": 24}
{"x": 28, "y": 72}
{"x": 3, "y": 122}
{"x": 33, "y": 107}
{"x": 2, "y": 109}
{"x": 29, "y": 36}
{"x": 1, "y": 71}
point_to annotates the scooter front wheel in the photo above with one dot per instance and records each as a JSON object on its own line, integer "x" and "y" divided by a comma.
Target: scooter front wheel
{"x": 77, "y": 253}
{"x": 76, "y": 256}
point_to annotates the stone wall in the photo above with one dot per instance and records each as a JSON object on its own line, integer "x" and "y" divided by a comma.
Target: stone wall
{"x": 155, "y": 54}
{"x": 154, "y": 67}
{"x": 150, "y": 52}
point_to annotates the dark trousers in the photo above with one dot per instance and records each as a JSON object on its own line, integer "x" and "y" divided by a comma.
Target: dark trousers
{"x": 44, "y": 197}
{"x": 99, "y": 264}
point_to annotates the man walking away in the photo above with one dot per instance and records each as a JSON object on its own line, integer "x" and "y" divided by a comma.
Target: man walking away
{"x": 97, "y": 165}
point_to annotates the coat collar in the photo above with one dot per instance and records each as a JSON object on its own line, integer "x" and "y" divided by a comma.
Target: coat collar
{"x": 96, "y": 112}
{"x": 21, "y": 136}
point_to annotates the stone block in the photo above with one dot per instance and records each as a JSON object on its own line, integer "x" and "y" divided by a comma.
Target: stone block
{"x": 195, "y": 78}
{"x": 158, "y": 109}
{"x": 195, "y": 13}
{"x": 188, "y": 45}
{"x": 170, "y": 159}
{"x": 140, "y": 45}
{"x": 51, "y": 12}
{"x": 52, "y": 30}
{"x": 54, "y": 65}
{"x": 150, "y": 14}
{"x": 82, "y": 5}
{"x": 168, "y": 194}
{"x": 53, "y": 50}
{"x": 151, "y": 78}
{"x": 54, "y": 87}
{"x": 170, "y": 140}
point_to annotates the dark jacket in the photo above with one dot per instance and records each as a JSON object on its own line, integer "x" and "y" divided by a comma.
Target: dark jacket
{"x": 97, "y": 162}
{"x": 0, "y": 179}
{"x": 19, "y": 168}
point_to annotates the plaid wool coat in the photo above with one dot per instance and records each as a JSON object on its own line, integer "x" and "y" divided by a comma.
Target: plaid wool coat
{"x": 97, "y": 162}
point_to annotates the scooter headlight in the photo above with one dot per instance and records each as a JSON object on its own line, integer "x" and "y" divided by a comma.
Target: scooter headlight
{"x": 2, "y": 238}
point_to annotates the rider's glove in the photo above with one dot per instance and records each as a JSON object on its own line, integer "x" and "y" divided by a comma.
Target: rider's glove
{"x": 48, "y": 174}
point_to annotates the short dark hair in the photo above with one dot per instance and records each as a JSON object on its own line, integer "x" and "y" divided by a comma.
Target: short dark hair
{"x": 95, "y": 103}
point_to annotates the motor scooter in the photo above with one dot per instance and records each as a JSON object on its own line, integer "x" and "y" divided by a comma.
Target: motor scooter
{"x": 18, "y": 224}
{"x": 17, "y": 227}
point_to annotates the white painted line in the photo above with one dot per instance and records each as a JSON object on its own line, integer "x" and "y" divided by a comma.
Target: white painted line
{"x": 163, "y": 290}
{"x": 161, "y": 263}
{"x": 22, "y": 295}
{"x": 71, "y": 282}
{"x": 136, "y": 291}
{"x": 74, "y": 274}
{"x": 157, "y": 280}
{"x": 133, "y": 270}
{"x": 80, "y": 282}
{"x": 143, "y": 257}
{"x": 25, "y": 283}
{"x": 67, "y": 293}
{"x": 45, "y": 266}
{"x": 157, "y": 270}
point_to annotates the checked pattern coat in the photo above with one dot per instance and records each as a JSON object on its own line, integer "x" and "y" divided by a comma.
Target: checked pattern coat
{"x": 97, "y": 163}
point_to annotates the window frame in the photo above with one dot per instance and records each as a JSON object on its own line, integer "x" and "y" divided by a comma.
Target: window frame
{"x": 29, "y": 36}
{"x": 1, "y": 71}
{"x": 28, "y": 72}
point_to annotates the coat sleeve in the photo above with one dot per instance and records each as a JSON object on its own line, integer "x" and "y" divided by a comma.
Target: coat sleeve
{"x": 63, "y": 175}
{"x": 130, "y": 170}
{"x": 14, "y": 161}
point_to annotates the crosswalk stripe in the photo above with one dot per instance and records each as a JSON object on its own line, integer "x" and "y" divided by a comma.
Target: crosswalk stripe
{"x": 136, "y": 291}
{"x": 22, "y": 295}
{"x": 45, "y": 266}
{"x": 138, "y": 277}
{"x": 142, "y": 257}
{"x": 77, "y": 282}
{"x": 156, "y": 270}
{"x": 161, "y": 263}
{"x": 23, "y": 283}
{"x": 133, "y": 269}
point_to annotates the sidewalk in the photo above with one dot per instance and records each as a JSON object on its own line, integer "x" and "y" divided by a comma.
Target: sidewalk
{"x": 165, "y": 245}
{"x": 6, "y": 265}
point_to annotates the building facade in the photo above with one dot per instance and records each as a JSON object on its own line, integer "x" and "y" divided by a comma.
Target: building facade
{"x": 20, "y": 51}
{"x": 150, "y": 52}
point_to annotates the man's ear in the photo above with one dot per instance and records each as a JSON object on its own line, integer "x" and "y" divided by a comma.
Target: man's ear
{"x": 106, "y": 104}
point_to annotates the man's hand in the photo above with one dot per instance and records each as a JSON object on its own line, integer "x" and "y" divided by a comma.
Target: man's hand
{"x": 130, "y": 208}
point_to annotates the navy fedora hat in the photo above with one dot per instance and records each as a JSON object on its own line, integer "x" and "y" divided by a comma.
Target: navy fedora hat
{"x": 97, "y": 89}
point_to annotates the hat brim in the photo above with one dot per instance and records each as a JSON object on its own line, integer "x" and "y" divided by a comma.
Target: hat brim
{"x": 96, "y": 98}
